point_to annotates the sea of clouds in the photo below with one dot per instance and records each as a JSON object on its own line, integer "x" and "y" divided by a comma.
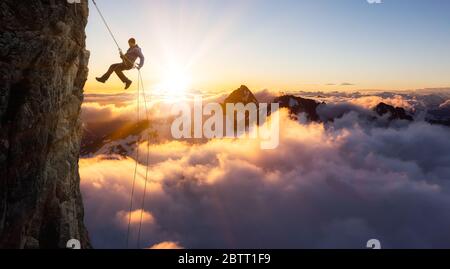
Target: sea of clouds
{"x": 333, "y": 185}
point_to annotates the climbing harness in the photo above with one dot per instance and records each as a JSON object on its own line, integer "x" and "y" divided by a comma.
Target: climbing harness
{"x": 140, "y": 88}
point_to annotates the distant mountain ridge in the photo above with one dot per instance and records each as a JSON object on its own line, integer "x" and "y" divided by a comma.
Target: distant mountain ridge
{"x": 121, "y": 137}
{"x": 297, "y": 105}
{"x": 94, "y": 139}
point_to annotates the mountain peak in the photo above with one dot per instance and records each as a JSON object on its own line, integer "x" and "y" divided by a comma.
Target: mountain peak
{"x": 396, "y": 113}
{"x": 298, "y": 105}
{"x": 241, "y": 95}
{"x": 243, "y": 88}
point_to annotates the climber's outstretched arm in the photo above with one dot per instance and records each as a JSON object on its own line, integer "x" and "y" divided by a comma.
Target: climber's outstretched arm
{"x": 141, "y": 59}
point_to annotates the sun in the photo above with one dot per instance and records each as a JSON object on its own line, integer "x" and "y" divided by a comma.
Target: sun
{"x": 174, "y": 84}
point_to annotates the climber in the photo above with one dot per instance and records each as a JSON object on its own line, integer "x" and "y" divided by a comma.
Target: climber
{"x": 127, "y": 63}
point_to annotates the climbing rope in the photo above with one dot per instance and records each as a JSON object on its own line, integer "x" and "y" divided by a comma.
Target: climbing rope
{"x": 107, "y": 26}
{"x": 140, "y": 89}
{"x": 139, "y": 86}
{"x": 147, "y": 162}
{"x": 135, "y": 172}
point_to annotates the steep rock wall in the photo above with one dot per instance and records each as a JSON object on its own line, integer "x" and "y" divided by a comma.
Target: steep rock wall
{"x": 43, "y": 68}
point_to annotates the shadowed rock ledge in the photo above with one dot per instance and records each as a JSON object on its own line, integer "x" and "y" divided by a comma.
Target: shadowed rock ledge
{"x": 43, "y": 69}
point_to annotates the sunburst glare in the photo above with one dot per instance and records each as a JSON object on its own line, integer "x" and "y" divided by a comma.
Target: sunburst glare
{"x": 174, "y": 83}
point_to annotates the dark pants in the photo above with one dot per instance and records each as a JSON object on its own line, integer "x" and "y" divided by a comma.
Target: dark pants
{"x": 118, "y": 68}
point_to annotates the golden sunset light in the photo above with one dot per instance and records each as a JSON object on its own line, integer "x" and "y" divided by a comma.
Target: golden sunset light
{"x": 224, "y": 132}
{"x": 174, "y": 84}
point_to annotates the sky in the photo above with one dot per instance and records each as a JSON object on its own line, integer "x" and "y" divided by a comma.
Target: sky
{"x": 214, "y": 46}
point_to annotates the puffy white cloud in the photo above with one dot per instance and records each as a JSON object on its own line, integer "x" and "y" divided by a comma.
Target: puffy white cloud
{"x": 95, "y": 112}
{"x": 135, "y": 217}
{"x": 370, "y": 102}
{"x": 104, "y": 108}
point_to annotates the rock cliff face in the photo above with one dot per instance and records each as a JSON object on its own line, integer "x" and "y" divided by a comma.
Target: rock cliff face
{"x": 43, "y": 68}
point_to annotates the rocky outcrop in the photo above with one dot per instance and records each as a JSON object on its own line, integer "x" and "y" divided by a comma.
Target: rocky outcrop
{"x": 119, "y": 137}
{"x": 394, "y": 113}
{"x": 43, "y": 68}
{"x": 242, "y": 95}
{"x": 440, "y": 115}
{"x": 297, "y": 105}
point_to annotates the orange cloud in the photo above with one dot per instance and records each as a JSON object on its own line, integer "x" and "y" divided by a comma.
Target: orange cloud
{"x": 124, "y": 217}
{"x": 166, "y": 245}
{"x": 116, "y": 174}
{"x": 330, "y": 186}
{"x": 370, "y": 102}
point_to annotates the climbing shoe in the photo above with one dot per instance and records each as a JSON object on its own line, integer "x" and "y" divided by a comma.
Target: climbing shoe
{"x": 100, "y": 80}
{"x": 128, "y": 84}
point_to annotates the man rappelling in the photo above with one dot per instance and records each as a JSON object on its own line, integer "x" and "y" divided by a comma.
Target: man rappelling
{"x": 127, "y": 63}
